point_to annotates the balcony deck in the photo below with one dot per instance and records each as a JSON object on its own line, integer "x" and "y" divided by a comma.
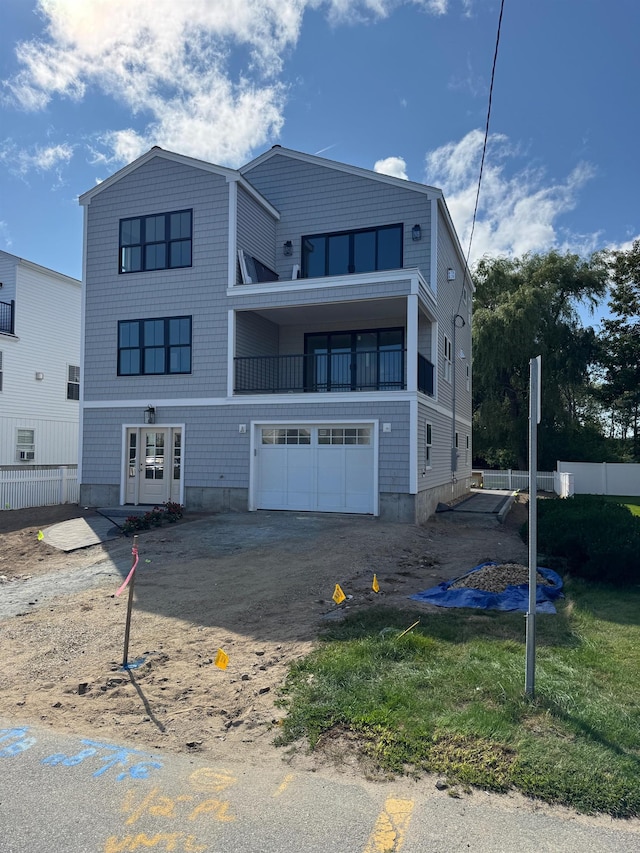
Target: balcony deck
{"x": 7, "y": 317}
{"x": 372, "y": 370}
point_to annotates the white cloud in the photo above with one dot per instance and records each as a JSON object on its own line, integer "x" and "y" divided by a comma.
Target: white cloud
{"x": 5, "y": 235}
{"x": 169, "y": 64}
{"x": 394, "y": 166}
{"x": 517, "y": 213}
{"x": 42, "y": 158}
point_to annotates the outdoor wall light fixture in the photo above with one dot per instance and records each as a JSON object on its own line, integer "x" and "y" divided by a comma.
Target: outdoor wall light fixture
{"x": 288, "y": 248}
{"x": 416, "y": 233}
{"x": 39, "y": 376}
{"x": 149, "y": 415}
{"x": 451, "y": 274}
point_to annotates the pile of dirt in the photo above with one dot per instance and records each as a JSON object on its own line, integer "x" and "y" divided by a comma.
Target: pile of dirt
{"x": 497, "y": 578}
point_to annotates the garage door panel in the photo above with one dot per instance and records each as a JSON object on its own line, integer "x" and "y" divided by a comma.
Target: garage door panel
{"x": 333, "y": 472}
{"x": 273, "y": 477}
{"x": 299, "y": 477}
{"x": 331, "y": 479}
{"x": 358, "y": 466}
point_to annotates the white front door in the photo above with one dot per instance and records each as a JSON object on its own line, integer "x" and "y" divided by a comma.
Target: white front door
{"x": 319, "y": 468}
{"x": 154, "y": 466}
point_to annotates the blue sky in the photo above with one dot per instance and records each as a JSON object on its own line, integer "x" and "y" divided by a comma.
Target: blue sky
{"x": 396, "y": 85}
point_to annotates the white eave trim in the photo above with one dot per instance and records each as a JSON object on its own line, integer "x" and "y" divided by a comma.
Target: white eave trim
{"x": 87, "y": 197}
{"x": 253, "y": 192}
{"x": 30, "y": 265}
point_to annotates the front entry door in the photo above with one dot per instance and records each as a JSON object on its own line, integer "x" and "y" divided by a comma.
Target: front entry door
{"x": 153, "y": 467}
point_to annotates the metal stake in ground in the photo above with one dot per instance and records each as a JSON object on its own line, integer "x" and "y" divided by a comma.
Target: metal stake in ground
{"x": 130, "y": 580}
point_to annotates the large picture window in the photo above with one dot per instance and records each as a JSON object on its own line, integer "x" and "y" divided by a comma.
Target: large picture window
{"x": 151, "y": 347}
{"x": 158, "y": 242}
{"x": 352, "y": 252}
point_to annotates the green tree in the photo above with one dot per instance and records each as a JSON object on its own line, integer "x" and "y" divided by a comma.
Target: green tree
{"x": 525, "y": 307}
{"x": 620, "y": 342}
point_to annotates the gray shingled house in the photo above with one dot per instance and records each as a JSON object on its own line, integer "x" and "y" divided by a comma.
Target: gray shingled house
{"x": 292, "y": 335}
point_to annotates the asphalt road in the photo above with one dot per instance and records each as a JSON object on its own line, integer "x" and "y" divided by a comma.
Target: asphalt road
{"x": 65, "y": 792}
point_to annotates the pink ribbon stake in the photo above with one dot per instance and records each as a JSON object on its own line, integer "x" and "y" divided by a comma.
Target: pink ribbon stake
{"x": 134, "y": 552}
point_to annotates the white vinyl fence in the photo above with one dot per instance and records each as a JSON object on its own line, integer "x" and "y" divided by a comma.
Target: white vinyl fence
{"x": 603, "y": 478}
{"x": 517, "y": 480}
{"x": 43, "y": 486}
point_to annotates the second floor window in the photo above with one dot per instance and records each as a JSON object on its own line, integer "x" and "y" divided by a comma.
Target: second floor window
{"x": 158, "y": 242}
{"x": 152, "y": 347}
{"x": 448, "y": 359}
{"x": 352, "y": 252}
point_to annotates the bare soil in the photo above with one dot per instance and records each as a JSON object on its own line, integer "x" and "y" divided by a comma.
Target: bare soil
{"x": 258, "y": 586}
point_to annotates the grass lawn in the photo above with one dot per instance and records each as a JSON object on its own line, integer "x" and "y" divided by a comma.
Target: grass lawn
{"x": 448, "y": 697}
{"x": 630, "y": 501}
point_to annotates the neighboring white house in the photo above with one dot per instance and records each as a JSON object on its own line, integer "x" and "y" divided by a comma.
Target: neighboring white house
{"x": 39, "y": 364}
{"x": 295, "y": 334}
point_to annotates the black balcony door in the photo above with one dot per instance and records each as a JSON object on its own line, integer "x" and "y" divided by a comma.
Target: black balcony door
{"x": 366, "y": 360}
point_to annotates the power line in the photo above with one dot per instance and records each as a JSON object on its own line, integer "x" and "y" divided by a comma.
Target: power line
{"x": 486, "y": 130}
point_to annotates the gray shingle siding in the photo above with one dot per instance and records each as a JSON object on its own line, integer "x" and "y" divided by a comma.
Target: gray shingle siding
{"x": 313, "y": 199}
{"x": 216, "y": 454}
{"x": 255, "y": 335}
{"x": 158, "y": 186}
{"x": 310, "y": 199}
{"x": 256, "y": 230}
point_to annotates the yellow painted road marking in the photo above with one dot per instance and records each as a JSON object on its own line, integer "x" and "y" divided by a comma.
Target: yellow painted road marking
{"x": 206, "y": 779}
{"x": 391, "y": 826}
{"x": 288, "y": 779}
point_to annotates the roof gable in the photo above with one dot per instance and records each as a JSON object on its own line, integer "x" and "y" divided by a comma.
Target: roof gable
{"x": 203, "y": 165}
{"x": 340, "y": 167}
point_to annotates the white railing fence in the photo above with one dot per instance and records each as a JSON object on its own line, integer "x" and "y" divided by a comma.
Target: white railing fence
{"x": 603, "y": 478}
{"x": 44, "y": 486}
{"x": 516, "y": 480}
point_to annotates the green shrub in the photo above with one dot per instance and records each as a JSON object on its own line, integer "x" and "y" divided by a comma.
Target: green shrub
{"x": 598, "y": 540}
{"x": 169, "y": 511}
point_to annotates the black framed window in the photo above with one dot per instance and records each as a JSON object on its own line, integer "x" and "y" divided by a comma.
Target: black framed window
{"x": 363, "y": 360}
{"x": 158, "y": 242}
{"x": 346, "y": 252}
{"x": 155, "y": 346}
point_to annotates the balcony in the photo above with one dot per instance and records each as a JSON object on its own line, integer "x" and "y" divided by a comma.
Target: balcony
{"x": 368, "y": 370}
{"x": 7, "y": 317}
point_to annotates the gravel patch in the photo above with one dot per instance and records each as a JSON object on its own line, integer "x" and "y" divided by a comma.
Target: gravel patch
{"x": 497, "y": 578}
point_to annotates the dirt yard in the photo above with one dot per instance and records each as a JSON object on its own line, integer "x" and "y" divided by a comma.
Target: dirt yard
{"x": 257, "y": 585}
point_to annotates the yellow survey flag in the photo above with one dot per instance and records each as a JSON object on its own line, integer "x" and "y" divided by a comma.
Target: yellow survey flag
{"x": 40, "y": 535}
{"x": 222, "y": 659}
{"x": 375, "y": 586}
{"x": 338, "y": 594}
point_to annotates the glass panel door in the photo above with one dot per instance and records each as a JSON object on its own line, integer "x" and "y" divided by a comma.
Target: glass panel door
{"x": 153, "y": 480}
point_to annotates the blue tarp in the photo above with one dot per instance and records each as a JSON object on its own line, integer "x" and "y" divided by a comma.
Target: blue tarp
{"x": 513, "y": 597}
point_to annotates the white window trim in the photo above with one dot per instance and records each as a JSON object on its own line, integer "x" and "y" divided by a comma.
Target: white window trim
{"x": 448, "y": 359}
{"x": 70, "y": 381}
{"x": 28, "y": 448}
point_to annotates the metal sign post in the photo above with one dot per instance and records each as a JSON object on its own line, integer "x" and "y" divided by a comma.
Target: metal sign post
{"x": 535, "y": 365}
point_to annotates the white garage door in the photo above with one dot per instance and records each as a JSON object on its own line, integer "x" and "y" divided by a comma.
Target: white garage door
{"x": 317, "y": 468}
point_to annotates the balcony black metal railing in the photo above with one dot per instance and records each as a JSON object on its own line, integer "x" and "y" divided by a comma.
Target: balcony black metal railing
{"x": 425, "y": 376}
{"x": 372, "y": 370}
{"x": 7, "y": 317}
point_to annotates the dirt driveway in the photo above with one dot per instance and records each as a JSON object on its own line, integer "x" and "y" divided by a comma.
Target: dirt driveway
{"x": 257, "y": 585}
